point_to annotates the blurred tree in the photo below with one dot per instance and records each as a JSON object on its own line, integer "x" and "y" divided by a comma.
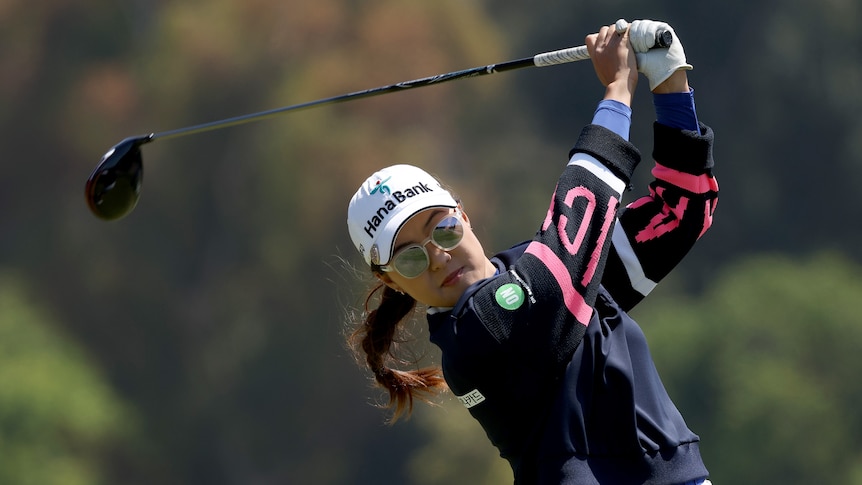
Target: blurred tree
{"x": 784, "y": 109}
{"x": 59, "y": 418}
{"x": 765, "y": 368}
{"x": 217, "y": 307}
{"x": 457, "y": 450}
{"x": 213, "y": 304}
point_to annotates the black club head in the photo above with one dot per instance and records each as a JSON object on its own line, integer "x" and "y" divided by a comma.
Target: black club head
{"x": 114, "y": 187}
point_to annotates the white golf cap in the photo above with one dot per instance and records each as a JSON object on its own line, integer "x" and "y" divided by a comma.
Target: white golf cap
{"x": 384, "y": 202}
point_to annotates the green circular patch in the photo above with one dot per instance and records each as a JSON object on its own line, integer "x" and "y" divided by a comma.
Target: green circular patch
{"x": 510, "y": 296}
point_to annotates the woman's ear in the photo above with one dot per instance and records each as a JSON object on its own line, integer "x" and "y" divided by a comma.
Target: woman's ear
{"x": 386, "y": 280}
{"x": 464, "y": 215}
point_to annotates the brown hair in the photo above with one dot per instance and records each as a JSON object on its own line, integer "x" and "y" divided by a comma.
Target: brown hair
{"x": 375, "y": 340}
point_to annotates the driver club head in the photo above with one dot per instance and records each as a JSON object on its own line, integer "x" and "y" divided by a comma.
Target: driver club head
{"x": 114, "y": 187}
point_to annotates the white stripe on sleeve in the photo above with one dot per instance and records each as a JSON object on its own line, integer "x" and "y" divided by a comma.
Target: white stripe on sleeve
{"x": 590, "y": 163}
{"x": 635, "y": 271}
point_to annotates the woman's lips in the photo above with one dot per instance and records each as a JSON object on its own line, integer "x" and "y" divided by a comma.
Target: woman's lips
{"x": 453, "y": 277}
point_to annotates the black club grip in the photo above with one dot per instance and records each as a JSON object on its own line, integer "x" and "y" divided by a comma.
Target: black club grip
{"x": 663, "y": 38}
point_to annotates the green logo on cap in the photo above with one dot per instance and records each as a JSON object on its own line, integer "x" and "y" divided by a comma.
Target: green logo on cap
{"x": 381, "y": 187}
{"x": 510, "y": 296}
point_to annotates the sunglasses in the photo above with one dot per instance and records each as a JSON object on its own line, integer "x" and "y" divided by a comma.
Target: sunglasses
{"x": 413, "y": 260}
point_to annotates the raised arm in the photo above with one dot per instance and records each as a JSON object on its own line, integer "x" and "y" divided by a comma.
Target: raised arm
{"x": 561, "y": 269}
{"x": 655, "y": 232}
{"x": 570, "y": 249}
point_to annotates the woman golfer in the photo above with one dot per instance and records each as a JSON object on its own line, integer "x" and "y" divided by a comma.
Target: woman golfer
{"x": 535, "y": 341}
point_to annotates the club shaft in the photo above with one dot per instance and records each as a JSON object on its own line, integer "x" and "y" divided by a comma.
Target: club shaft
{"x": 540, "y": 60}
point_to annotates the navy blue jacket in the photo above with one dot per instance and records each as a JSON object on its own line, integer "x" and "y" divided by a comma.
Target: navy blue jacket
{"x": 544, "y": 354}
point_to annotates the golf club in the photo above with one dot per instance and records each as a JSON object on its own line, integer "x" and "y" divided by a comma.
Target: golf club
{"x": 114, "y": 186}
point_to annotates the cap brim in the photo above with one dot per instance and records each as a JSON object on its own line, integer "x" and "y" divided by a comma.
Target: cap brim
{"x": 388, "y": 233}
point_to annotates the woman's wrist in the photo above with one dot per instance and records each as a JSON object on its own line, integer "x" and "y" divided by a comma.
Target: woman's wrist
{"x": 676, "y": 83}
{"x": 621, "y": 90}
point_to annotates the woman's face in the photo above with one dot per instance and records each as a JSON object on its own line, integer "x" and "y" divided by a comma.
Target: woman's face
{"x": 450, "y": 272}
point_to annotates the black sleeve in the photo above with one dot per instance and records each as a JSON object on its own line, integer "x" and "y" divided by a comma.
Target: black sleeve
{"x": 559, "y": 274}
{"x": 656, "y": 231}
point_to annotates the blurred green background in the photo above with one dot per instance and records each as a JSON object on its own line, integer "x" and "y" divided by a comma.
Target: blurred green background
{"x": 200, "y": 339}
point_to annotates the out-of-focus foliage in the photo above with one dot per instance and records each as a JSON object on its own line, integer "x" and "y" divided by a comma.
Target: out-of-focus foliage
{"x": 779, "y": 83}
{"x": 457, "y": 451}
{"x": 59, "y": 417}
{"x": 216, "y": 309}
{"x": 765, "y": 366}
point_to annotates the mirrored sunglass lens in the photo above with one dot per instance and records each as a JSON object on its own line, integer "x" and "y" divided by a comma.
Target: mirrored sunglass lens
{"x": 411, "y": 262}
{"x": 448, "y": 233}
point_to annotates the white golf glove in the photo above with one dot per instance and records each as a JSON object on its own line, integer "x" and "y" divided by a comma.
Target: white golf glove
{"x": 659, "y": 63}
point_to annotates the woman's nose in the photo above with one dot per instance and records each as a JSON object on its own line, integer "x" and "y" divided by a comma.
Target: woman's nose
{"x": 437, "y": 258}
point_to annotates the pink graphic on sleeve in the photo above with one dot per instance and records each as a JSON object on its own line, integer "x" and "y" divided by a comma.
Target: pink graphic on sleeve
{"x": 697, "y": 184}
{"x": 600, "y": 242}
{"x": 550, "y": 216}
{"x": 573, "y": 300}
{"x": 574, "y": 246}
{"x": 709, "y": 210}
{"x": 665, "y": 221}
{"x": 641, "y": 202}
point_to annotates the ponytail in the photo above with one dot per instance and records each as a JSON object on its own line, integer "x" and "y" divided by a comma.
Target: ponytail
{"x": 375, "y": 338}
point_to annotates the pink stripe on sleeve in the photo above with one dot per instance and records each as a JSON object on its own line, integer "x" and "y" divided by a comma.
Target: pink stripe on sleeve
{"x": 573, "y": 300}
{"x": 698, "y": 184}
{"x": 600, "y": 243}
{"x": 709, "y": 209}
{"x": 574, "y": 246}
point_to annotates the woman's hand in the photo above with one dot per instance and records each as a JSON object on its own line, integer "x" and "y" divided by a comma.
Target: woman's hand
{"x": 659, "y": 64}
{"x": 614, "y": 62}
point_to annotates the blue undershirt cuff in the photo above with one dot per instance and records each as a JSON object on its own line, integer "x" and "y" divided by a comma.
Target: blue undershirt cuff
{"x": 676, "y": 110}
{"x": 614, "y": 116}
